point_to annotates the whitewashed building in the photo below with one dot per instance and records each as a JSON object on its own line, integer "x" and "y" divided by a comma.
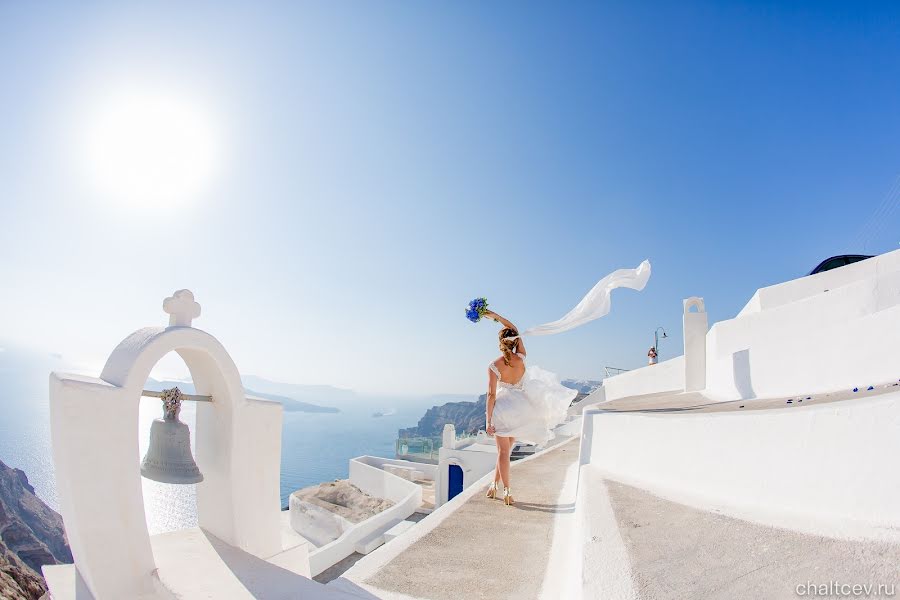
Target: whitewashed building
{"x": 783, "y": 423}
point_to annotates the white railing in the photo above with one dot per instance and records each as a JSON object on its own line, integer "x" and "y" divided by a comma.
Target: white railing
{"x": 613, "y": 371}
{"x": 430, "y": 471}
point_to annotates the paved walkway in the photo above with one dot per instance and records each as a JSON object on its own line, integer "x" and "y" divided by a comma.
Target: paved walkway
{"x": 649, "y": 549}
{"x": 486, "y": 549}
{"x": 676, "y": 552}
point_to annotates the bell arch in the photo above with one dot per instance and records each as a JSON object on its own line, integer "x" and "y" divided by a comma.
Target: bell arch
{"x": 694, "y": 302}
{"x": 96, "y": 453}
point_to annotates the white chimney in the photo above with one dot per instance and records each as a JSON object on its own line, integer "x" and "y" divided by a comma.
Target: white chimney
{"x": 448, "y": 440}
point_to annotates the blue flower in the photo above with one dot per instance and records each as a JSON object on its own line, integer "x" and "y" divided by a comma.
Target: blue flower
{"x": 476, "y": 309}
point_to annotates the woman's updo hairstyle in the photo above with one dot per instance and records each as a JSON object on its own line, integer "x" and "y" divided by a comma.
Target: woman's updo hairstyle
{"x": 509, "y": 342}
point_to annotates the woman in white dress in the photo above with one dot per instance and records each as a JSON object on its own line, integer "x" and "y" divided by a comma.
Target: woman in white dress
{"x": 522, "y": 403}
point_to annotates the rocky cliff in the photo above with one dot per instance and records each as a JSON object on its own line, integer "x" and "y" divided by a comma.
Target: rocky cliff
{"x": 584, "y": 386}
{"x": 31, "y": 535}
{"x": 468, "y": 417}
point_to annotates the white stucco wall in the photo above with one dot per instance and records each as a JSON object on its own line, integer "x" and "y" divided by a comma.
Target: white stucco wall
{"x": 430, "y": 471}
{"x": 475, "y": 461}
{"x": 379, "y": 483}
{"x": 827, "y": 468}
{"x": 824, "y": 468}
{"x": 826, "y": 332}
{"x": 571, "y": 427}
{"x": 596, "y": 397}
{"x": 803, "y": 287}
{"x": 667, "y": 376}
{"x": 832, "y": 341}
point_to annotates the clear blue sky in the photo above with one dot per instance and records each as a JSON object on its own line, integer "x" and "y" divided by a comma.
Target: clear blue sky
{"x": 380, "y": 164}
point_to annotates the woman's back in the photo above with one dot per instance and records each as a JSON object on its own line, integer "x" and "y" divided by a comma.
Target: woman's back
{"x": 512, "y": 372}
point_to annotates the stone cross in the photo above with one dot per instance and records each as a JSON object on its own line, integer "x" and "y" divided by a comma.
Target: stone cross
{"x": 181, "y": 308}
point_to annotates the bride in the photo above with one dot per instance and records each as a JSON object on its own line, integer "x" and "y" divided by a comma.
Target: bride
{"x": 522, "y": 403}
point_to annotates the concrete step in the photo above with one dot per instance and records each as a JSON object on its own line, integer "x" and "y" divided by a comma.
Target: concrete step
{"x": 397, "y": 530}
{"x": 369, "y": 543}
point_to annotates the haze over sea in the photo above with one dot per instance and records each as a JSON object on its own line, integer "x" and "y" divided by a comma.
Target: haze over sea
{"x": 315, "y": 446}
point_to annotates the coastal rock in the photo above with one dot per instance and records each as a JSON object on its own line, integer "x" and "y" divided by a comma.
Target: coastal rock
{"x": 31, "y": 535}
{"x": 582, "y": 386}
{"x": 469, "y": 417}
{"x": 17, "y": 580}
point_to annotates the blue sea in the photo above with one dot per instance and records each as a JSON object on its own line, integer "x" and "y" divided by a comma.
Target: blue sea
{"x": 316, "y": 447}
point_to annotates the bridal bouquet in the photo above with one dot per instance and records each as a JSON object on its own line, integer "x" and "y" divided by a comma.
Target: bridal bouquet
{"x": 476, "y": 309}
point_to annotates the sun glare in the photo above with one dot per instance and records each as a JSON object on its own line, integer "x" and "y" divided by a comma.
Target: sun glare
{"x": 150, "y": 151}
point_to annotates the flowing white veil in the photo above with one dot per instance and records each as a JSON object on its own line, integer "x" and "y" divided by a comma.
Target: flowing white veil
{"x": 597, "y": 302}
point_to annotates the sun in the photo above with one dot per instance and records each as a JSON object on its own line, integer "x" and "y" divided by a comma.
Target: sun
{"x": 149, "y": 151}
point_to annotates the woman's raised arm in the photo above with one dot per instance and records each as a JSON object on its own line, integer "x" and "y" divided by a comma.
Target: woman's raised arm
{"x": 506, "y": 322}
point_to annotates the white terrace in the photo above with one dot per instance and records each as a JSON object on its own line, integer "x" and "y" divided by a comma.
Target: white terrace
{"x": 761, "y": 461}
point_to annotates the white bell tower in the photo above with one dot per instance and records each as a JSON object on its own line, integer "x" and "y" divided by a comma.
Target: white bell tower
{"x": 94, "y": 424}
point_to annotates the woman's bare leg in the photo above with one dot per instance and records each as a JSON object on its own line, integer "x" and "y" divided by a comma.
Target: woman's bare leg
{"x": 504, "y": 449}
{"x": 495, "y": 486}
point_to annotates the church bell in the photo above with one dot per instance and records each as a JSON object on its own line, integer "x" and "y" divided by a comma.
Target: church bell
{"x": 169, "y": 458}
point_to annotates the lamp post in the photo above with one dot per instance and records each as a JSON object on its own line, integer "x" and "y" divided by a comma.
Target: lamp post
{"x": 656, "y": 338}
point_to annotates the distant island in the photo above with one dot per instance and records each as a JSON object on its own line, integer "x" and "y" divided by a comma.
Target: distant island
{"x": 289, "y": 404}
{"x": 467, "y": 416}
{"x": 319, "y": 395}
{"x": 292, "y": 405}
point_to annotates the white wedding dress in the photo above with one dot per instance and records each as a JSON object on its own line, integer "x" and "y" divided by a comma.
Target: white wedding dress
{"x": 529, "y": 409}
